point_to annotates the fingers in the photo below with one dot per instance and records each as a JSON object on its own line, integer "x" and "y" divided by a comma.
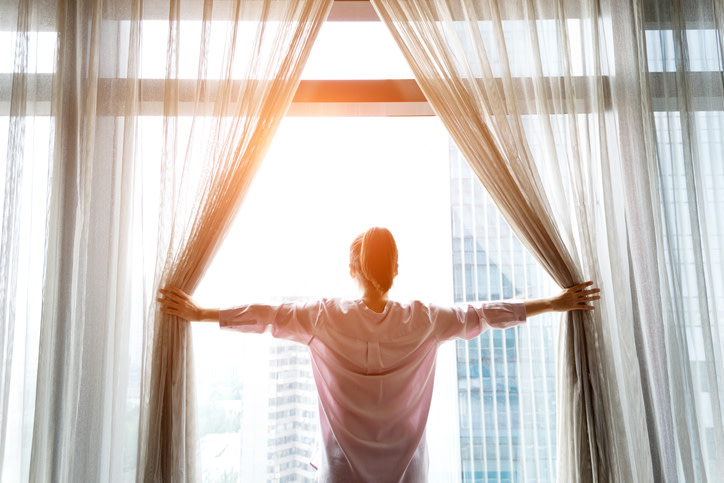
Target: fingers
{"x": 581, "y": 295}
{"x": 168, "y": 306}
{"x": 579, "y": 287}
{"x": 167, "y": 303}
{"x": 168, "y": 298}
{"x": 173, "y": 292}
{"x": 170, "y": 311}
{"x": 580, "y": 291}
{"x": 174, "y": 301}
{"x": 176, "y": 290}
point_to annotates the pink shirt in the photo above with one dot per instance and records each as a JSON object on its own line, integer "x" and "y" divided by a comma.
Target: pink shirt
{"x": 374, "y": 374}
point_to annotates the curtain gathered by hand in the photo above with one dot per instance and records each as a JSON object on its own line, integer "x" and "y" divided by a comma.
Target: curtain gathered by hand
{"x": 458, "y": 52}
{"x": 265, "y": 46}
{"x": 551, "y": 105}
{"x": 93, "y": 225}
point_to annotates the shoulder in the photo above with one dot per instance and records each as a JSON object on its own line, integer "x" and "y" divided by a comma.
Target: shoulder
{"x": 413, "y": 310}
{"x": 334, "y": 307}
{"x": 338, "y": 303}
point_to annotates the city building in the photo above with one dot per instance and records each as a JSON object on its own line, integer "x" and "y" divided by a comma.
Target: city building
{"x": 489, "y": 263}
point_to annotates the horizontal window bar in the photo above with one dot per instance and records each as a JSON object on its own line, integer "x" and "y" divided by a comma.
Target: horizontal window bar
{"x": 393, "y": 97}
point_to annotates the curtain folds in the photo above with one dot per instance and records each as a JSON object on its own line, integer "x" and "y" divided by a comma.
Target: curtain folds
{"x": 78, "y": 417}
{"x": 92, "y": 225}
{"x": 538, "y": 96}
{"x": 595, "y": 125}
{"x": 22, "y": 207}
{"x": 686, "y": 77}
{"x": 247, "y": 112}
{"x": 460, "y": 54}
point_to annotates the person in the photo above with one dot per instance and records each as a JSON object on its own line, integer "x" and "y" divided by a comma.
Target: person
{"x": 373, "y": 359}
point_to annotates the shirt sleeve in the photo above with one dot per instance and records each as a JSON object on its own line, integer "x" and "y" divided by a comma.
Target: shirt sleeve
{"x": 289, "y": 321}
{"x": 469, "y": 321}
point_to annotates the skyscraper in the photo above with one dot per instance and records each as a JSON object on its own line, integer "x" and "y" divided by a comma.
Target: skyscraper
{"x": 292, "y": 413}
{"x": 489, "y": 263}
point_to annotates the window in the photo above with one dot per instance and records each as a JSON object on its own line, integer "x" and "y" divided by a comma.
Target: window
{"x": 361, "y": 147}
{"x": 317, "y": 189}
{"x": 324, "y": 180}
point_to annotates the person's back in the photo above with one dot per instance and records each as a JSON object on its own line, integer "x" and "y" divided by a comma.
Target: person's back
{"x": 374, "y": 374}
{"x": 375, "y": 385}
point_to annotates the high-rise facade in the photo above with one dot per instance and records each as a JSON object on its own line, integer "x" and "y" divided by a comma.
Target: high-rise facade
{"x": 506, "y": 378}
{"x": 292, "y": 414}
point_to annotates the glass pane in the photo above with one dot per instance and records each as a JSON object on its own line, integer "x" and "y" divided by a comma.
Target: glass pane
{"x": 506, "y": 379}
{"x": 356, "y": 50}
{"x": 700, "y": 45}
{"x": 324, "y": 181}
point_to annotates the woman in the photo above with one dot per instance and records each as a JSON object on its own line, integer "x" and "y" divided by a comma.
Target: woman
{"x": 374, "y": 359}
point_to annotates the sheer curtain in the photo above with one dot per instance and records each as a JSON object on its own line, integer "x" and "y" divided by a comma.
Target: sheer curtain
{"x": 463, "y": 56}
{"x": 92, "y": 226}
{"x": 64, "y": 186}
{"x": 247, "y": 112}
{"x": 538, "y": 97}
{"x": 681, "y": 75}
{"x": 28, "y": 37}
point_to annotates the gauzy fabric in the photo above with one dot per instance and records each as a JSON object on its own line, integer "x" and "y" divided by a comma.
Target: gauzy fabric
{"x": 374, "y": 374}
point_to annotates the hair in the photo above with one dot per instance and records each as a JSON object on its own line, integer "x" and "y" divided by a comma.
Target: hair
{"x": 374, "y": 254}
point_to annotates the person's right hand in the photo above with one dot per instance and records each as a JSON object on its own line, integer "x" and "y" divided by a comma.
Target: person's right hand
{"x": 175, "y": 301}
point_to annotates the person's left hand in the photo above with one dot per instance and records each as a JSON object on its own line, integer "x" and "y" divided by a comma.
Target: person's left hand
{"x": 576, "y": 298}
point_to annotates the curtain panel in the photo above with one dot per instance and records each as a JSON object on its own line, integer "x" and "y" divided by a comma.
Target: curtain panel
{"x": 680, "y": 351}
{"x": 460, "y": 52}
{"x": 552, "y": 106}
{"x": 24, "y": 173}
{"x": 246, "y": 115}
{"x": 92, "y": 226}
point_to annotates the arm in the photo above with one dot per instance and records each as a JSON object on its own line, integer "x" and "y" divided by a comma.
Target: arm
{"x": 285, "y": 321}
{"x": 175, "y": 301}
{"x": 572, "y": 298}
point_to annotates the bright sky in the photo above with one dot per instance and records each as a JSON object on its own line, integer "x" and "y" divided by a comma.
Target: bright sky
{"x": 324, "y": 181}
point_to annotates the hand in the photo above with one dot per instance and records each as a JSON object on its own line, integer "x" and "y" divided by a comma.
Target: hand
{"x": 575, "y": 298}
{"x": 177, "y": 302}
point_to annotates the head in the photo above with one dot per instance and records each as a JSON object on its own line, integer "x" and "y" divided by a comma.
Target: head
{"x": 373, "y": 259}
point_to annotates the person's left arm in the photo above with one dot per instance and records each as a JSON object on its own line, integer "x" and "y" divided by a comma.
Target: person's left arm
{"x": 466, "y": 322}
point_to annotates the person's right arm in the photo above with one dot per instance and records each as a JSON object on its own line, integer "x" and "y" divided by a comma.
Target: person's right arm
{"x": 285, "y": 321}
{"x": 175, "y": 301}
